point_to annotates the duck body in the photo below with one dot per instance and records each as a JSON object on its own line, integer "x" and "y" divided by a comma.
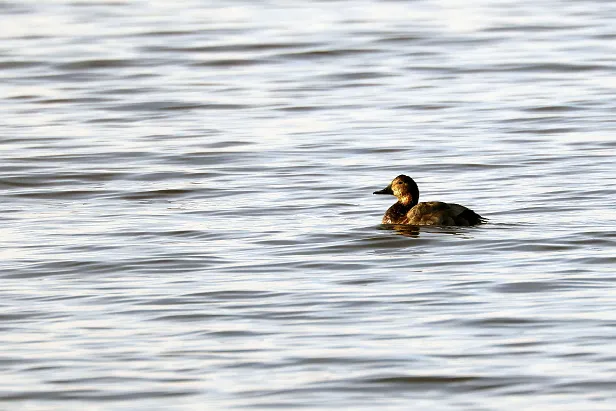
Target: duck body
{"x": 431, "y": 213}
{"x": 409, "y": 211}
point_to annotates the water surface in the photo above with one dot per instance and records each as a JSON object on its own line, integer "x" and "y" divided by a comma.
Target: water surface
{"x": 188, "y": 219}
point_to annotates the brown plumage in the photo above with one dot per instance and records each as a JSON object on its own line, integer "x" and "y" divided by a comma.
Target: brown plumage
{"x": 408, "y": 210}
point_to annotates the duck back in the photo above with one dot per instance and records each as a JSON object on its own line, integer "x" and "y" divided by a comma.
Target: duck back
{"x": 439, "y": 213}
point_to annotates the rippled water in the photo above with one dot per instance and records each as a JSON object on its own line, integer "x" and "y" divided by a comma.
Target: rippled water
{"x": 187, "y": 217}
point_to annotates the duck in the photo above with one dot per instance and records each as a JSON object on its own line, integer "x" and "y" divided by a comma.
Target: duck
{"x": 408, "y": 209}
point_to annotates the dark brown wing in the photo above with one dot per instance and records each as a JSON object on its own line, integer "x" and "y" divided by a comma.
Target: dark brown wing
{"x": 439, "y": 213}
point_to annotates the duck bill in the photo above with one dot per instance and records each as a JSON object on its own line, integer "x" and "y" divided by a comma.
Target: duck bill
{"x": 386, "y": 190}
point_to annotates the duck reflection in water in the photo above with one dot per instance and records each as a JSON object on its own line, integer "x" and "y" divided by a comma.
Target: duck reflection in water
{"x": 414, "y": 231}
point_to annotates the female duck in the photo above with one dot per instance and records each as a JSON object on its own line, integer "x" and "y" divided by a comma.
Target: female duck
{"x": 409, "y": 211}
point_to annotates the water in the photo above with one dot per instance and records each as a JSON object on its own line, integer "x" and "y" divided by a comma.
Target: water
{"x": 187, "y": 217}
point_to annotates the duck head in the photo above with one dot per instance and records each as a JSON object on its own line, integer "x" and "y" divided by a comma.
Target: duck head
{"x": 404, "y": 188}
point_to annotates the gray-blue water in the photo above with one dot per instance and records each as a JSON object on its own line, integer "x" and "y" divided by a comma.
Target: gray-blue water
{"x": 188, "y": 219}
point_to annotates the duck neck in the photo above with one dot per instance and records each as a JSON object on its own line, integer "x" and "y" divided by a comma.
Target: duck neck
{"x": 407, "y": 201}
{"x": 396, "y": 214}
